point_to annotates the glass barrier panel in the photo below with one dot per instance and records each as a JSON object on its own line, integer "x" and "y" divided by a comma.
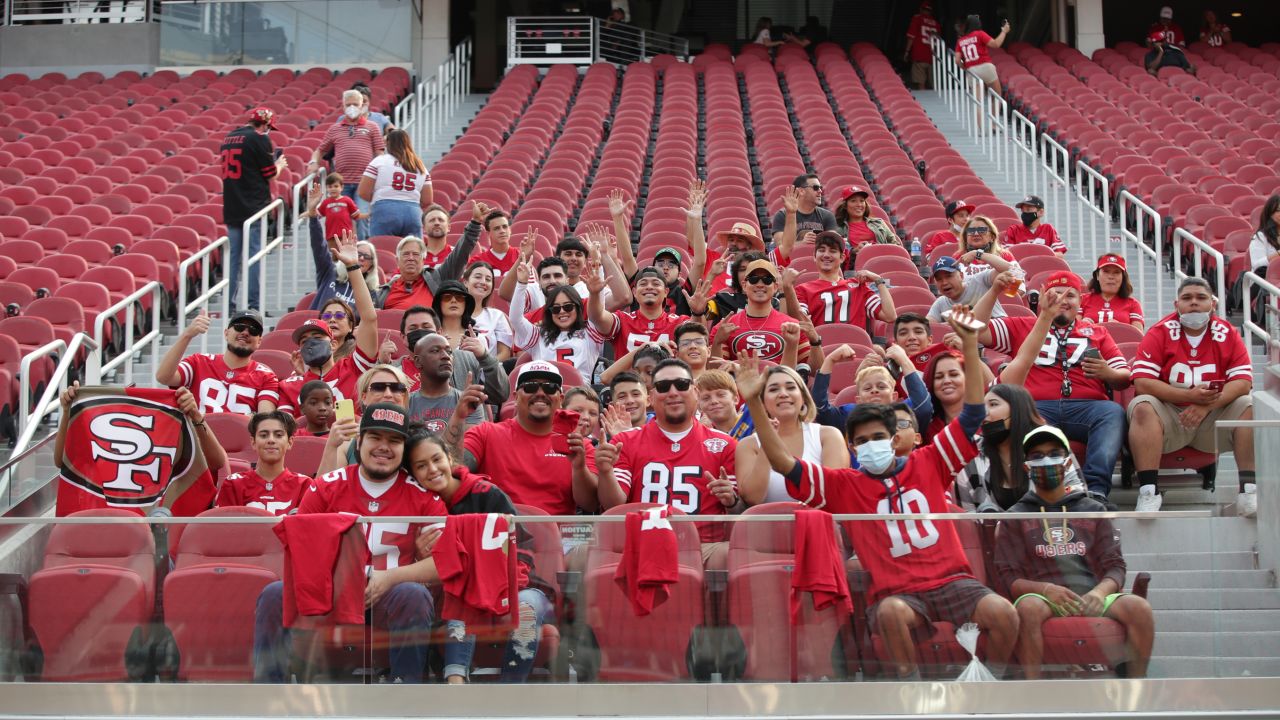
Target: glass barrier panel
{"x": 755, "y": 598}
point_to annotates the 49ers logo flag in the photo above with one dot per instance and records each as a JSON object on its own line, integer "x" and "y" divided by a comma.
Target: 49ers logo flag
{"x": 127, "y": 448}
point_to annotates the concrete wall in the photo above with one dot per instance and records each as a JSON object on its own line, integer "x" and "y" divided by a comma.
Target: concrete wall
{"x": 73, "y": 49}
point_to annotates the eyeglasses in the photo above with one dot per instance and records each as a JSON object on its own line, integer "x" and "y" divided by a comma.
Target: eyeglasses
{"x": 335, "y": 315}
{"x": 364, "y": 256}
{"x": 562, "y": 308}
{"x": 664, "y": 386}
{"x": 760, "y": 279}
{"x": 381, "y": 387}
{"x": 531, "y": 387}
{"x": 1059, "y": 454}
{"x": 904, "y": 424}
{"x": 693, "y": 342}
{"x": 253, "y": 330}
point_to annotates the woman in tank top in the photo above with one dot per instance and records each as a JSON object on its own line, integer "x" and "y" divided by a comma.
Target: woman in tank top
{"x": 792, "y": 410}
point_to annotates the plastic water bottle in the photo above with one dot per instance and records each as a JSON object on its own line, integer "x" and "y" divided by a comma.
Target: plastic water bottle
{"x": 915, "y": 250}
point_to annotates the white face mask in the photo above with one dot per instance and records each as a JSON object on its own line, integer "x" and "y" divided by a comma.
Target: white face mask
{"x": 352, "y": 112}
{"x": 1194, "y": 321}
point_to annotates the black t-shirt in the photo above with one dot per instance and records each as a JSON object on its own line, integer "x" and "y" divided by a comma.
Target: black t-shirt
{"x": 817, "y": 221}
{"x": 248, "y": 164}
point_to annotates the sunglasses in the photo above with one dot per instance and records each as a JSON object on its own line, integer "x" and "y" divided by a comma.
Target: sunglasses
{"x": 904, "y": 424}
{"x": 816, "y": 188}
{"x": 562, "y": 308}
{"x": 664, "y": 386}
{"x": 760, "y": 279}
{"x": 335, "y": 315}
{"x": 977, "y": 231}
{"x": 381, "y": 387}
{"x": 253, "y": 330}
{"x": 532, "y": 387}
{"x": 364, "y": 256}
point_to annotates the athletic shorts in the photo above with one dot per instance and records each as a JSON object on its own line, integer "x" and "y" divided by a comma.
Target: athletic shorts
{"x": 1060, "y": 611}
{"x": 921, "y": 73}
{"x": 953, "y": 602}
{"x": 986, "y": 72}
{"x": 1200, "y": 437}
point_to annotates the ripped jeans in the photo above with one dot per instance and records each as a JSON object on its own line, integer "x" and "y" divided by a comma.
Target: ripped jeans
{"x": 517, "y": 661}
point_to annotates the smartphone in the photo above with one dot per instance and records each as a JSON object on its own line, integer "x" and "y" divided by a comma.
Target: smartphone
{"x": 278, "y": 152}
{"x": 1217, "y": 385}
{"x": 973, "y": 323}
{"x": 345, "y": 408}
{"x": 1093, "y": 353}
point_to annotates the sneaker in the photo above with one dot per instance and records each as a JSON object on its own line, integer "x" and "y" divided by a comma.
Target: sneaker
{"x": 1247, "y": 501}
{"x": 1148, "y": 499}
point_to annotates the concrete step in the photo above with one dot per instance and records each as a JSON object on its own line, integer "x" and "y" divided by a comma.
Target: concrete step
{"x": 1162, "y": 580}
{"x": 1213, "y": 600}
{"x": 1182, "y": 535}
{"x": 1221, "y": 644}
{"x": 1228, "y": 621}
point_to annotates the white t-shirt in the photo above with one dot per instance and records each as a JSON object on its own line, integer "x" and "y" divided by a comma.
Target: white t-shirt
{"x": 1259, "y": 251}
{"x": 494, "y": 327}
{"x": 764, "y": 36}
{"x": 393, "y": 182}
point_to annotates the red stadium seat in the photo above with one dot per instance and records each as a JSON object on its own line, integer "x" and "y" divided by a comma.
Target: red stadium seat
{"x": 305, "y": 455}
{"x": 69, "y": 267}
{"x": 63, "y": 314}
{"x": 232, "y": 431}
{"x": 36, "y": 278}
{"x": 280, "y": 362}
{"x": 16, "y": 293}
{"x": 96, "y": 588}
{"x": 93, "y": 298}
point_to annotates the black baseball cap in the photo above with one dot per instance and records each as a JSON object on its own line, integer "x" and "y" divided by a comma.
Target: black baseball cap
{"x": 1033, "y": 201}
{"x": 249, "y": 315}
{"x": 956, "y": 206}
{"x": 385, "y": 416}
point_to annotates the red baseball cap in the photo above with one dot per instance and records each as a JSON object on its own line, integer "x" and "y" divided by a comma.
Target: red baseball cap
{"x": 850, "y": 190}
{"x": 308, "y": 326}
{"x": 1111, "y": 259}
{"x": 263, "y": 115}
{"x": 1063, "y": 278}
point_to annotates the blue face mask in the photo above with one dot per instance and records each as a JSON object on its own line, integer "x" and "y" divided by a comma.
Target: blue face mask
{"x": 875, "y": 456}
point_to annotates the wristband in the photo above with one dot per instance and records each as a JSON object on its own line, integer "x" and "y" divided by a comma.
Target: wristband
{"x": 198, "y": 424}
{"x": 815, "y": 343}
{"x": 353, "y": 268}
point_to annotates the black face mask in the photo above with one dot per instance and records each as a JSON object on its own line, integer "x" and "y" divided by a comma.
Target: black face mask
{"x": 1029, "y": 217}
{"x": 315, "y": 352}
{"x": 995, "y": 431}
{"x": 414, "y": 336}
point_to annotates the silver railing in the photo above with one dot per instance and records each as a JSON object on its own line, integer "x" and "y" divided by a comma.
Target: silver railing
{"x": 77, "y": 12}
{"x": 578, "y": 40}
{"x": 262, "y": 220}
{"x": 1200, "y": 249}
{"x": 1093, "y": 191}
{"x": 133, "y": 348}
{"x": 1263, "y": 328}
{"x": 1147, "y": 236}
{"x": 431, "y": 103}
{"x": 207, "y": 291}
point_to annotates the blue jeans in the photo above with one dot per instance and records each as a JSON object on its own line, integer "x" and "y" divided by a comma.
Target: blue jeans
{"x": 236, "y": 236}
{"x": 406, "y": 610}
{"x": 396, "y": 217}
{"x": 362, "y": 226}
{"x": 1100, "y": 423}
{"x": 517, "y": 661}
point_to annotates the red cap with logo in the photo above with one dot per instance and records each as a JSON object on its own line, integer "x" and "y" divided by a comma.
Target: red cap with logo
{"x": 310, "y": 325}
{"x": 263, "y": 115}
{"x": 1111, "y": 259}
{"x": 1062, "y": 278}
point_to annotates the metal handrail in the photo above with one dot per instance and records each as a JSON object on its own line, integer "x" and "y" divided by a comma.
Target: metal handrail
{"x": 1251, "y": 328}
{"x": 132, "y": 347}
{"x": 28, "y": 419}
{"x": 576, "y": 40}
{"x": 1092, "y": 186}
{"x": 1024, "y": 141}
{"x": 1057, "y": 167}
{"x": 423, "y": 112}
{"x": 1202, "y": 248}
{"x": 259, "y": 218}
{"x": 206, "y": 291}
{"x": 1128, "y": 202}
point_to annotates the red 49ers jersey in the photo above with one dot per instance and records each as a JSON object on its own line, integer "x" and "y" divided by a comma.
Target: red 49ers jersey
{"x": 1166, "y": 354}
{"x": 903, "y": 556}
{"x": 1044, "y": 381}
{"x": 844, "y": 301}
{"x": 220, "y": 389}
{"x": 248, "y": 489}
{"x": 430, "y": 259}
{"x": 762, "y": 336}
{"x": 1118, "y": 309}
{"x": 631, "y": 330}
{"x": 390, "y": 543}
{"x": 653, "y": 468}
{"x": 341, "y": 377}
{"x": 501, "y": 265}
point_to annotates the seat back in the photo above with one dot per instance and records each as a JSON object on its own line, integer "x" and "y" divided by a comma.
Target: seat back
{"x": 232, "y": 431}
{"x": 305, "y": 455}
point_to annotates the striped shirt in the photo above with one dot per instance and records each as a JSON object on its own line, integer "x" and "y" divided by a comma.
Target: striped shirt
{"x": 354, "y": 146}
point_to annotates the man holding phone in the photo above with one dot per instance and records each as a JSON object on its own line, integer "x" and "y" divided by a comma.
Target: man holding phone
{"x": 249, "y": 163}
{"x": 1192, "y": 370}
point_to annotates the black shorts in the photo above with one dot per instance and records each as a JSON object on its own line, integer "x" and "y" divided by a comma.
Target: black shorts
{"x": 953, "y": 602}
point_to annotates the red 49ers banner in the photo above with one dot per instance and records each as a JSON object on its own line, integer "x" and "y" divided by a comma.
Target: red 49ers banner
{"x": 127, "y": 448}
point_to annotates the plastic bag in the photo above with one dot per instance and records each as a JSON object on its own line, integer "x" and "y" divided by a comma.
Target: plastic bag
{"x": 975, "y": 671}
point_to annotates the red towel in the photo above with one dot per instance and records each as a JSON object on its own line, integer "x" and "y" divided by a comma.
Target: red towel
{"x": 312, "y": 545}
{"x": 649, "y": 562}
{"x": 474, "y": 562}
{"x": 818, "y": 568}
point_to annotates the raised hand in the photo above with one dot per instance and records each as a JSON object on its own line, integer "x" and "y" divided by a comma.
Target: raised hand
{"x": 472, "y": 397}
{"x": 791, "y": 332}
{"x": 188, "y": 406}
{"x": 964, "y": 323}
{"x": 724, "y": 331}
{"x": 791, "y": 199}
{"x": 387, "y": 351}
{"x": 199, "y": 325}
{"x": 789, "y": 276}
{"x": 722, "y": 487}
{"x": 750, "y": 379}
{"x": 606, "y": 456}
{"x": 698, "y": 300}
{"x": 614, "y": 420}
{"x": 529, "y": 244}
{"x": 697, "y": 196}
{"x": 68, "y": 396}
{"x": 344, "y": 249}
{"x": 474, "y": 345}
{"x": 478, "y": 211}
{"x": 618, "y": 204}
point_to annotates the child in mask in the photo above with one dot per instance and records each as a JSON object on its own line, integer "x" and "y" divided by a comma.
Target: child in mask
{"x": 1062, "y": 567}
{"x": 1033, "y": 230}
{"x": 315, "y": 401}
{"x": 919, "y": 571}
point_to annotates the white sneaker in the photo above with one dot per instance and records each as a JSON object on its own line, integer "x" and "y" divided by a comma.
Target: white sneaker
{"x": 1247, "y": 501}
{"x": 1148, "y": 499}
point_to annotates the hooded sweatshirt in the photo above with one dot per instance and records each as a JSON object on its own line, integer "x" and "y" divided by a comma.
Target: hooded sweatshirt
{"x": 1076, "y": 554}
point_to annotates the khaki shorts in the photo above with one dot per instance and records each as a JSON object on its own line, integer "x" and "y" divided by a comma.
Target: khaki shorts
{"x": 1201, "y": 438}
{"x": 921, "y": 73}
{"x": 715, "y": 555}
{"x": 986, "y": 72}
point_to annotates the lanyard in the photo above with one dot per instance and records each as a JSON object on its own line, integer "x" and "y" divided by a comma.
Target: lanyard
{"x": 1063, "y": 353}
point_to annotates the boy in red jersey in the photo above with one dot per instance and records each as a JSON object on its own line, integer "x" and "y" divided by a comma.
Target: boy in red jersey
{"x": 339, "y": 211}
{"x": 675, "y": 460}
{"x": 396, "y": 597}
{"x": 833, "y": 298}
{"x": 269, "y": 485}
{"x": 1033, "y": 230}
{"x": 919, "y": 572}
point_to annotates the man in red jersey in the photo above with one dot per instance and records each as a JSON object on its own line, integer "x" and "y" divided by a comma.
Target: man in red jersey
{"x": 675, "y": 460}
{"x": 435, "y": 231}
{"x": 833, "y": 298}
{"x": 650, "y": 322}
{"x": 919, "y": 571}
{"x": 521, "y": 455}
{"x": 269, "y": 485}
{"x": 396, "y": 597}
{"x": 958, "y": 212}
{"x": 1070, "y": 365}
{"x": 1033, "y": 230}
{"x": 316, "y": 344}
{"x": 919, "y": 51}
{"x": 419, "y": 272}
{"x": 757, "y": 328}
{"x": 499, "y": 254}
{"x": 1192, "y": 370}
{"x": 231, "y": 382}
{"x": 1168, "y": 30}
